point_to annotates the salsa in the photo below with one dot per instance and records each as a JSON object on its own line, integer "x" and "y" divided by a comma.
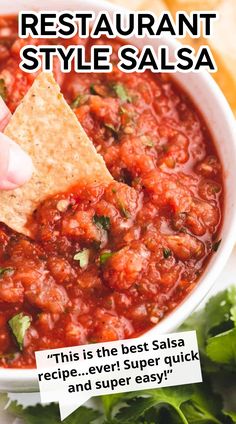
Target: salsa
{"x": 110, "y": 261}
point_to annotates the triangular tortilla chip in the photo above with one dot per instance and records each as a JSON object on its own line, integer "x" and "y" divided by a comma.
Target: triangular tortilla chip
{"x": 45, "y": 127}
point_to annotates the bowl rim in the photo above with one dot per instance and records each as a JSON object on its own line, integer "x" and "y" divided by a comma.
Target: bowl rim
{"x": 26, "y": 379}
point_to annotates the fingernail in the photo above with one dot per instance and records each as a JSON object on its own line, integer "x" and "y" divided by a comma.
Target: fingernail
{"x": 20, "y": 167}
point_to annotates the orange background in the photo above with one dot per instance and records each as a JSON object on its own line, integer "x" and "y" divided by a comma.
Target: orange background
{"x": 222, "y": 42}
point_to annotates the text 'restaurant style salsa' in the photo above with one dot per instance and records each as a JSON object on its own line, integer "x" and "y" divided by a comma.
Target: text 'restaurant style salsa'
{"x": 108, "y": 262}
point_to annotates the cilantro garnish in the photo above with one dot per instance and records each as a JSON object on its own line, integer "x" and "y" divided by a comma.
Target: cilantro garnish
{"x": 124, "y": 211}
{"x": 50, "y": 414}
{"x": 4, "y": 271}
{"x": 79, "y": 100}
{"x": 105, "y": 256}
{"x": 166, "y": 253}
{"x": 148, "y": 142}
{"x": 112, "y": 128}
{"x": 121, "y": 92}
{"x": 92, "y": 89}
{"x": 82, "y": 257}
{"x": 19, "y": 325}
{"x": 103, "y": 221}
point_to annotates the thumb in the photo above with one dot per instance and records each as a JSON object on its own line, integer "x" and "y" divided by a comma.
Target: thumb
{"x": 15, "y": 165}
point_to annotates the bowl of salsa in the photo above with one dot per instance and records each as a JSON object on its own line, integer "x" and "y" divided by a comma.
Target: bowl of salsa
{"x": 114, "y": 261}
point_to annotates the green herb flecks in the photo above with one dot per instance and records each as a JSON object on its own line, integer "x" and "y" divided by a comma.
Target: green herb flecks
{"x": 121, "y": 92}
{"x": 82, "y": 257}
{"x": 8, "y": 271}
{"x": 104, "y": 257}
{"x": 98, "y": 90}
{"x": 147, "y": 141}
{"x": 80, "y": 100}
{"x": 112, "y": 128}
{"x": 19, "y": 325}
{"x": 50, "y": 414}
{"x": 103, "y": 221}
{"x": 92, "y": 89}
{"x": 167, "y": 253}
{"x": 124, "y": 211}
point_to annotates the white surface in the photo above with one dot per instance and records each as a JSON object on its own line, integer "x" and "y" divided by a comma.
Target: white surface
{"x": 219, "y": 117}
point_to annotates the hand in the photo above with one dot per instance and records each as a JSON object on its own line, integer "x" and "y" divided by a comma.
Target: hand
{"x": 15, "y": 165}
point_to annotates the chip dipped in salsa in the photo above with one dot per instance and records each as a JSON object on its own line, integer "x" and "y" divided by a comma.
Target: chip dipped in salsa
{"x": 109, "y": 261}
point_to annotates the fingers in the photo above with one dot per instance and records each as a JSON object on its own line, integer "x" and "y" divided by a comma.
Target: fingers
{"x": 15, "y": 165}
{"x": 5, "y": 114}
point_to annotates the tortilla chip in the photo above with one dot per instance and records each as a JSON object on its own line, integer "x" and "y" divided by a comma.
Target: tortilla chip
{"x": 45, "y": 127}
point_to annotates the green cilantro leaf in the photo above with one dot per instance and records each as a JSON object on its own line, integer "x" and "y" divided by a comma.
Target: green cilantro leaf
{"x": 79, "y": 100}
{"x": 97, "y": 90}
{"x": 112, "y": 128}
{"x": 103, "y": 221}
{"x": 166, "y": 253}
{"x": 3, "y": 89}
{"x": 233, "y": 314}
{"x": 82, "y": 257}
{"x": 222, "y": 348}
{"x": 231, "y": 293}
{"x": 232, "y": 299}
{"x": 121, "y": 92}
{"x": 3, "y": 401}
{"x": 110, "y": 401}
{"x": 148, "y": 142}
{"x": 124, "y": 211}
{"x": 197, "y": 322}
{"x": 204, "y": 406}
{"x": 105, "y": 256}
{"x": 19, "y": 325}
{"x": 50, "y": 414}
{"x": 92, "y": 89}
{"x": 173, "y": 397}
{"x": 135, "y": 408}
{"x": 217, "y": 312}
{"x": 231, "y": 415}
{"x": 4, "y": 271}
{"x": 198, "y": 415}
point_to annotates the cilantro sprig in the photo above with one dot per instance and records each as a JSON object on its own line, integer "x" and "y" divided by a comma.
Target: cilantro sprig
{"x": 81, "y": 99}
{"x": 6, "y": 271}
{"x": 105, "y": 256}
{"x": 103, "y": 221}
{"x": 122, "y": 93}
{"x": 50, "y": 414}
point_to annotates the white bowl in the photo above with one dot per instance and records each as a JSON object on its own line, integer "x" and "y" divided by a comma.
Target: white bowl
{"x": 208, "y": 98}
